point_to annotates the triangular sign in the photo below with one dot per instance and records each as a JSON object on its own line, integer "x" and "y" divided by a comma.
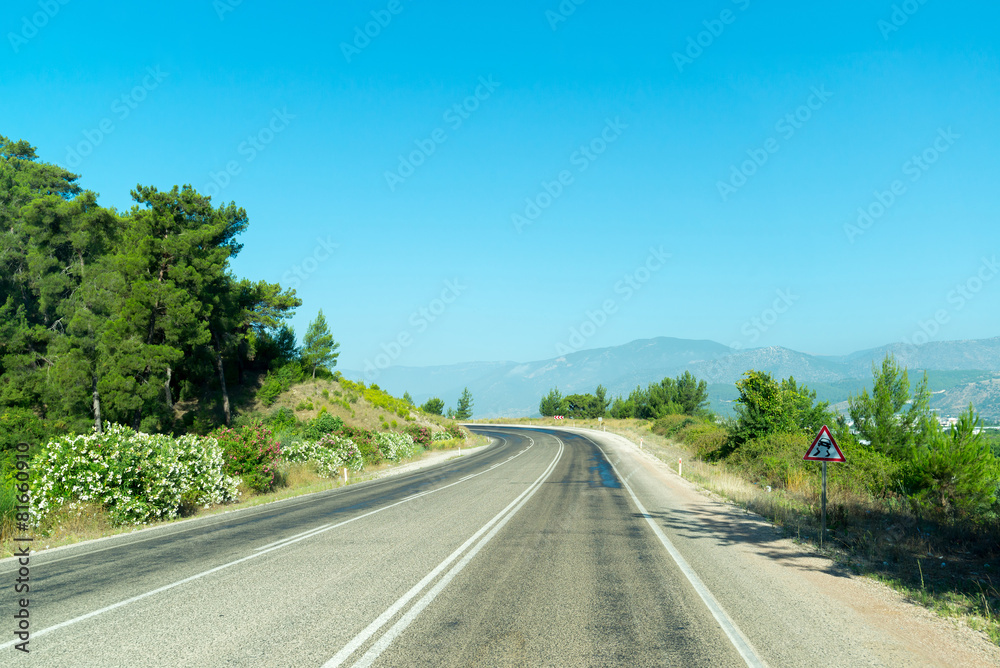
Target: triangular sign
{"x": 824, "y": 448}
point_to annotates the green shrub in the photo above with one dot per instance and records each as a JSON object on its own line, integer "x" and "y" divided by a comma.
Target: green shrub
{"x": 322, "y": 424}
{"x": 278, "y": 381}
{"x": 669, "y": 425}
{"x": 250, "y": 453}
{"x": 282, "y": 419}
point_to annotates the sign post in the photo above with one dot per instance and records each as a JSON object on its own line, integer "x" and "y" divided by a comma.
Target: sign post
{"x": 824, "y": 449}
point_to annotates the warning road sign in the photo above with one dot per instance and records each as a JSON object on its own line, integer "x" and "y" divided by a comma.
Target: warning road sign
{"x": 824, "y": 448}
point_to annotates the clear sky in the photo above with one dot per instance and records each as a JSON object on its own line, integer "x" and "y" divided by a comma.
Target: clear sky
{"x": 480, "y": 180}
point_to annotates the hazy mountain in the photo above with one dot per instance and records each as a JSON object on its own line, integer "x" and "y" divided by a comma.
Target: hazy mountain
{"x": 961, "y": 371}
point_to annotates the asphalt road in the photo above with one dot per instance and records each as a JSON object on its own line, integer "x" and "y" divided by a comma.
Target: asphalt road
{"x": 547, "y": 549}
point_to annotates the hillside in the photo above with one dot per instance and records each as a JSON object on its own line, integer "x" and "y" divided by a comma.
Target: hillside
{"x": 965, "y": 370}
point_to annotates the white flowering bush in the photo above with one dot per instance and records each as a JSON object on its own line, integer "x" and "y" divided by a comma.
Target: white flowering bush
{"x": 137, "y": 477}
{"x": 395, "y": 446}
{"x": 441, "y": 436}
{"x": 329, "y": 454}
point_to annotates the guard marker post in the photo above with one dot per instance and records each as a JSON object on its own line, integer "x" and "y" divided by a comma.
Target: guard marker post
{"x": 824, "y": 449}
{"x": 680, "y": 471}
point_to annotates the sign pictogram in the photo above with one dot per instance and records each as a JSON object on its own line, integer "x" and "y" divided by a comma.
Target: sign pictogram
{"x": 824, "y": 448}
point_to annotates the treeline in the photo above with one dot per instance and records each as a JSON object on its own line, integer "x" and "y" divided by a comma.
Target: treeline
{"x": 896, "y": 449}
{"x": 109, "y": 316}
{"x": 684, "y": 395}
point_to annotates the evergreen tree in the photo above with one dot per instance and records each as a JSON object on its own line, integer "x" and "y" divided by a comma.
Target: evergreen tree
{"x": 318, "y": 347}
{"x": 434, "y": 406}
{"x": 464, "y": 409}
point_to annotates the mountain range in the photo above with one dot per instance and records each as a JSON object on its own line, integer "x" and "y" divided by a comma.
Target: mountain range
{"x": 959, "y": 372}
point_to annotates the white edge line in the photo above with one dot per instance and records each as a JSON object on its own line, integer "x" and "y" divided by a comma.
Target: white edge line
{"x": 729, "y": 627}
{"x": 396, "y": 629}
{"x": 197, "y": 576}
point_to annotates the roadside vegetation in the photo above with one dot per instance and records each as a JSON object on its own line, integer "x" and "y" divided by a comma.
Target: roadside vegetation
{"x": 142, "y": 381}
{"x": 915, "y": 506}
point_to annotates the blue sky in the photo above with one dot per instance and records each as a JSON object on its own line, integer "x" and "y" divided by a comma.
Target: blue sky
{"x": 589, "y": 142}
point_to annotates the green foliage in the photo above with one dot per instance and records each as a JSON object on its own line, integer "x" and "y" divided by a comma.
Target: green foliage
{"x": 321, "y": 425}
{"x": 684, "y": 395}
{"x": 433, "y": 406}
{"x": 551, "y": 403}
{"x": 766, "y": 406}
{"x": 250, "y": 452}
{"x": 282, "y": 419}
{"x": 954, "y": 473}
{"x": 407, "y": 398}
{"x": 319, "y": 350}
{"x": 464, "y": 409}
{"x": 888, "y": 418}
{"x": 107, "y": 315}
{"x": 279, "y": 381}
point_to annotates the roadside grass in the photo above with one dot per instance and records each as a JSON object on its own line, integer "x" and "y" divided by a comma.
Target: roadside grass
{"x": 88, "y": 521}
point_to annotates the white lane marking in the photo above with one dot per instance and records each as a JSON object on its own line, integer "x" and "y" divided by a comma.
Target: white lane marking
{"x": 283, "y": 540}
{"x": 729, "y": 627}
{"x": 198, "y": 576}
{"x": 502, "y": 517}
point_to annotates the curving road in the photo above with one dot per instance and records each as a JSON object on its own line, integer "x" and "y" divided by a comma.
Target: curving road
{"x": 549, "y": 548}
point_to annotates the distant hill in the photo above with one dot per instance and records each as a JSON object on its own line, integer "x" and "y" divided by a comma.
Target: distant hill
{"x": 959, "y": 371}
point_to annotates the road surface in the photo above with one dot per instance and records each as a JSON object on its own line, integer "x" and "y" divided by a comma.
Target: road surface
{"x": 549, "y": 548}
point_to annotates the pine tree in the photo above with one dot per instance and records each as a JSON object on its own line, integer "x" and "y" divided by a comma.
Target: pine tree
{"x": 464, "y": 409}
{"x": 318, "y": 347}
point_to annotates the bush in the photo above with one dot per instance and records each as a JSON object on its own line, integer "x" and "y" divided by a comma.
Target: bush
{"x": 420, "y": 435}
{"x": 137, "y": 477}
{"x": 773, "y": 459}
{"x": 322, "y": 424}
{"x": 669, "y": 425}
{"x": 328, "y": 455}
{"x": 282, "y": 419}
{"x": 276, "y": 382}
{"x": 250, "y": 452}
{"x": 366, "y": 443}
{"x": 394, "y": 446}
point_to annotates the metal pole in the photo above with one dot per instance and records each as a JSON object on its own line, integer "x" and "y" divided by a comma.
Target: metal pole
{"x": 822, "y": 530}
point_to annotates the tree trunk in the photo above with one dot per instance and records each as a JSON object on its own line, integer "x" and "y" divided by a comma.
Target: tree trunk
{"x": 222, "y": 378}
{"x": 98, "y": 426}
{"x": 166, "y": 386}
